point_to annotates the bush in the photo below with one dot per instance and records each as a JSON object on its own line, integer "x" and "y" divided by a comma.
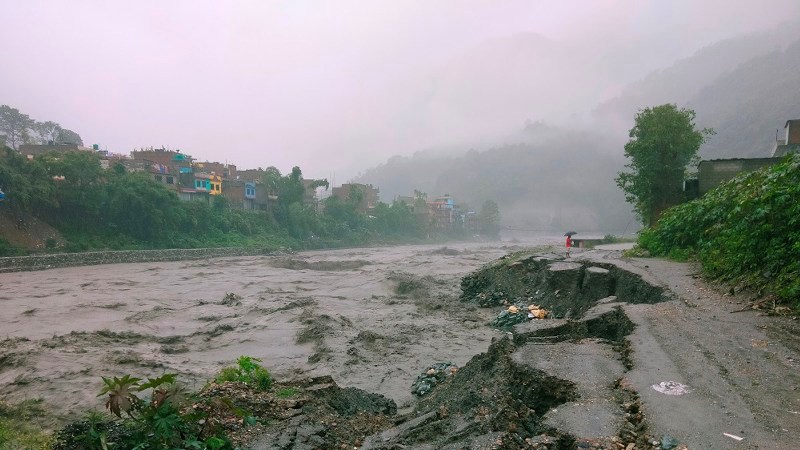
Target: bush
{"x": 168, "y": 419}
{"x": 248, "y": 371}
{"x": 746, "y": 230}
{"x": 6, "y": 249}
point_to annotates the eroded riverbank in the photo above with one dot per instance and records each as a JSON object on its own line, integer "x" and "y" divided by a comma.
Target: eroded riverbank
{"x": 591, "y": 376}
{"x": 336, "y": 313}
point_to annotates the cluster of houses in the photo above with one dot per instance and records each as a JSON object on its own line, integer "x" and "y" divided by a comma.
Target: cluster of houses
{"x": 193, "y": 180}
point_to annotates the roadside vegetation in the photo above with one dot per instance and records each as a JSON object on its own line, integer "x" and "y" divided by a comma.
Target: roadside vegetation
{"x": 664, "y": 142}
{"x": 112, "y": 209}
{"x": 160, "y": 413}
{"x": 240, "y": 404}
{"x": 17, "y": 426}
{"x": 746, "y": 231}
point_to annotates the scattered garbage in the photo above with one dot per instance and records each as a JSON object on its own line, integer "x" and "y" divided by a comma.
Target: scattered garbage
{"x": 537, "y": 312}
{"x": 733, "y": 436}
{"x": 432, "y": 376}
{"x": 672, "y": 388}
{"x": 514, "y": 314}
{"x": 668, "y": 442}
{"x": 508, "y": 318}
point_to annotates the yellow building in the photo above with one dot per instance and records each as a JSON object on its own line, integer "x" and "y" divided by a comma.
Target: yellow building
{"x": 208, "y": 182}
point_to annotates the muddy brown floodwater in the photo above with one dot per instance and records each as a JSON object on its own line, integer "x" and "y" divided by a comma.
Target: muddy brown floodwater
{"x": 371, "y": 318}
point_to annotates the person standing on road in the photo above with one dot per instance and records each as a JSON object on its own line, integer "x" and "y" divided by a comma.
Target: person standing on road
{"x": 569, "y": 244}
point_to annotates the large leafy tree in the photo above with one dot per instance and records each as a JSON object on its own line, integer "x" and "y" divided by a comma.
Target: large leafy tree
{"x": 48, "y": 131}
{"x": 140, "y": 207}
{"x": 27, "y": 184}
{"x": 15, "y": 126}
{"x": 663, "y": 142}
{"x": 271, "y": 178}
{"x": 69, "y": 137}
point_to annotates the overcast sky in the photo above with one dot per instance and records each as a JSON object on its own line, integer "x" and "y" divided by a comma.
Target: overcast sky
{"x": 338, "y": 86}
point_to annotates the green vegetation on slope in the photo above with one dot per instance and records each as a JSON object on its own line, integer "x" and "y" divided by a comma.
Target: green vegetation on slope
{"x": 95, "y": 208}
{"x": 18, "y": 426}
{"x": 746, "y": 230}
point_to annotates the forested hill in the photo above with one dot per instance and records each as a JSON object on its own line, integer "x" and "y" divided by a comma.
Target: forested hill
{"x": 544, "y": 186}
{"x": 744, "y": 88}
{"x": 683, "y": 80}
{"x": 747, "y": 105}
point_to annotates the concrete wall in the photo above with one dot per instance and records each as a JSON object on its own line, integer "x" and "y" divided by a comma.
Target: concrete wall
{"x": 43, "y": 262}
{"x": 713, "y": 173}
{"x": 793, "y": 132}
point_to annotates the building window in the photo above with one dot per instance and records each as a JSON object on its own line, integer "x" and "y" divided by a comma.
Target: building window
{"x": 159, "y": 178}
{"x": 170, "y": 180}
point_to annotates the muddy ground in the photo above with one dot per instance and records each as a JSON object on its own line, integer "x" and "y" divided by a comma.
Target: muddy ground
{"x": 637, "y": 354}
{"x": 370, "y": 318}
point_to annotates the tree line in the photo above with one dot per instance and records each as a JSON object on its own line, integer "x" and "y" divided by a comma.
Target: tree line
{"x": 17, "y": 128}
{"x": 97, "y": 208}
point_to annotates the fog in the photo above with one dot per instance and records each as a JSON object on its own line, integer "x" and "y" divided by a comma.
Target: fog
{"x": 336, "y": 87}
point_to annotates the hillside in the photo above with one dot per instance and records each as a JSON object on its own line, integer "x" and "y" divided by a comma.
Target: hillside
{"x": 545, "y": 186}
{"x": 23, "y": 231}
{"x": 744, "y": 231}
{"x": 546, "y": 178}
{"x": 685, "y": 80}
{"x": 747, "y": 105}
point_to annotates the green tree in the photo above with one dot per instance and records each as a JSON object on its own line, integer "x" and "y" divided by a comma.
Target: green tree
{"x": 663, "y": 142}
{"x": 27, "y": 184}
{"x": 80, "y": 190}
{"x": 489, "y": 216}
{"x": 290, "y": 190}
{"x": 15, "y": 126}
{"x": 271, "y": 178}
{"x": 47, "y": 131}
{"x": 69, "y": 137}
{"x": 142, "y": 208}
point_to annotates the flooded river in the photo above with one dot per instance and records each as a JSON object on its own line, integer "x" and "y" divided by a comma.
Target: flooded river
{"x": 372, "y": 318}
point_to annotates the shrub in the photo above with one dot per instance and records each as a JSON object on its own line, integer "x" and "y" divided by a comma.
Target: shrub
{"x": 746, "y": 230}
{"x": 6, "y": 249}
{"x": 168, "y": 419}
{"x": 248, "y": 371}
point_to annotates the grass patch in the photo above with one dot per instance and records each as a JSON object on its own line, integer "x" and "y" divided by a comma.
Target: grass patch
{"x": 17, "y": 431}
{"x": 287, "y": 392}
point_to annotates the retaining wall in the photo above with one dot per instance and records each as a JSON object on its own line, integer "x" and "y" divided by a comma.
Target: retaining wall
{"x": 43, "y": 262}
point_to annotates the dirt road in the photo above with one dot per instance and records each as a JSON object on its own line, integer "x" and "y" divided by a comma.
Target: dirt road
{"x": 743, "y": 368}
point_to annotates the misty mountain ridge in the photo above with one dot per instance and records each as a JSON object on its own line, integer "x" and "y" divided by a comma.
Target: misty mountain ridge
{"x": 747, "y": 105}
{"x": 547, "y": 177}
{"x": 714, "y": 82}
{"x": 543, "y": 184}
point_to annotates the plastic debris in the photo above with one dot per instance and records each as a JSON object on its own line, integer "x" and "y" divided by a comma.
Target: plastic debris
{"x": 537, "y": 312}
{"x": 733, "y": 436}
{"x": 432, "y": 376}
{"x": 668, "y": 442}
{"x": 507, "y": 319}
{"x": 672, "y": 388}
